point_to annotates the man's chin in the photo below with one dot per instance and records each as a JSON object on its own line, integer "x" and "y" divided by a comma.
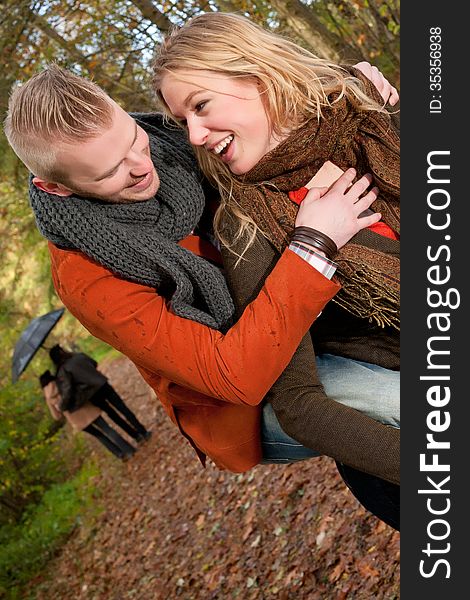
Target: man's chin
{"x": 113, "y": 199}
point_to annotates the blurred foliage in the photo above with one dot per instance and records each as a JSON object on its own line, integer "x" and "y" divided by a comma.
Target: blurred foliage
{"x": 27, "y": 546}
{"x": 35, "y": 451}
{"x": 30, "y": 455}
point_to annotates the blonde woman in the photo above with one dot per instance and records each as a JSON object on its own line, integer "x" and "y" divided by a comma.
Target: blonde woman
{"x": 264, "y": 115}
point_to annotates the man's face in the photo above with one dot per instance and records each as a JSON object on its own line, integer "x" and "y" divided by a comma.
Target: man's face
{"x": 114, "y": 167}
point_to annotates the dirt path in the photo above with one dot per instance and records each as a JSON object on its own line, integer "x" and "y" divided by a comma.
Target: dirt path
{"x": 171, "y": 529}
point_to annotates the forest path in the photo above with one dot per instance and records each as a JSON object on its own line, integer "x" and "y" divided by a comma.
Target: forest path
{"x": 171, "y": 529}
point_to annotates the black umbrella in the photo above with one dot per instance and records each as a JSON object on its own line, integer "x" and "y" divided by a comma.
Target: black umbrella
{"x": 31, "y": 339}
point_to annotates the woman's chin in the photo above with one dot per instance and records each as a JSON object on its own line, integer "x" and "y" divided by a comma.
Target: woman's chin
{"x": 239, "y": 169}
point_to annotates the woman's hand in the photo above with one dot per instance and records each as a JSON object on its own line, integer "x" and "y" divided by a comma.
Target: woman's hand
{"x": 335, "y": 211}
{"x": 386, "y": 89}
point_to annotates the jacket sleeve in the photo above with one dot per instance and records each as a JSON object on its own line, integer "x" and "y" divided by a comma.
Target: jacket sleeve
{"x": 92, "y": 360}
{"x": 303, "y": 409}
{"x": 237, "y": 367}
{"x": 65, "y": 385}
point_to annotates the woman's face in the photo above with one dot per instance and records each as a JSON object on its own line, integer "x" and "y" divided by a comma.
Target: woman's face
{"x": 224, "y": 115}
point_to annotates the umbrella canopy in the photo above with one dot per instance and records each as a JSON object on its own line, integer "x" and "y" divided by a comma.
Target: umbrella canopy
{"x": 31, "y": 339}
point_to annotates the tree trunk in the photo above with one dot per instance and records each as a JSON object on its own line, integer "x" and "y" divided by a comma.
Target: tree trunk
{"x": 227, "y": 6}
{"x": 150, "y": 12}
{"x": 304, "y": 22}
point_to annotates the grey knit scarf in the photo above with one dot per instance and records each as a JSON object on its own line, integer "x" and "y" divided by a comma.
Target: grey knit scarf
{"x": 138, "y": 241}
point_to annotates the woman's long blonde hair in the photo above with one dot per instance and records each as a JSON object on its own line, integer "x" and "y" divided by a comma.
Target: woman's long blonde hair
{"x": 295, "y": 84}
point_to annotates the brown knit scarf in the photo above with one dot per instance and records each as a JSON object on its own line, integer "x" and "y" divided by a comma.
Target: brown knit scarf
{"x": 365, "y": 140}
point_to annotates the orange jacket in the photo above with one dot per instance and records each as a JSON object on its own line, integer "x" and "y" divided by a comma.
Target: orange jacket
{"x": 210, "y": 384}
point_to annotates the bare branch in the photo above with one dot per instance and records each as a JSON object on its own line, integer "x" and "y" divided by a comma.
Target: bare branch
{"x": 150, "y": 12}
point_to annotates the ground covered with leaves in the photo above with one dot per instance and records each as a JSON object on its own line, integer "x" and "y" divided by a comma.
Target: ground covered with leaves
{"x": 170, "y": 529}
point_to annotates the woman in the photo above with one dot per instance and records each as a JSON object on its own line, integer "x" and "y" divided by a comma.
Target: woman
{"x": 264, "y": 116}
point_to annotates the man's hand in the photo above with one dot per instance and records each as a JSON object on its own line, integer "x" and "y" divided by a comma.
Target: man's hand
{"x": 386, "y": 89}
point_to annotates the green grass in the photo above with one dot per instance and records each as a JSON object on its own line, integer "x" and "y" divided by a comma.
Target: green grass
{"x": 26, "y": 548}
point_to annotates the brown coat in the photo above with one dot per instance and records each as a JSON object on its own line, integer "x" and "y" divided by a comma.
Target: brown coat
{"x": 79, "y": 419}
{"x": 303, "y": 409}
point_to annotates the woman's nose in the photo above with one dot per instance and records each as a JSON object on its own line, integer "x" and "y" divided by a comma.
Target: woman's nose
{"x": 198, "y": 134}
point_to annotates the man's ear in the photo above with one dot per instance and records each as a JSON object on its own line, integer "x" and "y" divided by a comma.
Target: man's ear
{"x": 52, "y": 188}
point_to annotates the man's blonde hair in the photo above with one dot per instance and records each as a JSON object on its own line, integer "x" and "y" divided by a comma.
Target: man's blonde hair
{"x": 294, "y": 83}
{"x": 53, "y": 107}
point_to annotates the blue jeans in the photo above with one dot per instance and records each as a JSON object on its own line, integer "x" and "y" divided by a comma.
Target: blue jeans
{"x": 371, "y": 389}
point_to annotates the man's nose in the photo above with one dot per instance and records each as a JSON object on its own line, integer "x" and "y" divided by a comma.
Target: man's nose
{"x": 141, "y": 164}
{"x": 198, "y": 134}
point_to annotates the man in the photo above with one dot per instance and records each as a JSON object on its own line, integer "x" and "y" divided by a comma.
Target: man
{"x": 87, "y": 418}
{"x": 80, "y": 381}
{"x": 120, "y": 263}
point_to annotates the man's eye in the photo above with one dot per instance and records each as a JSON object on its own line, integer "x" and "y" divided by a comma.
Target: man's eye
{"x": 113, "y": 173}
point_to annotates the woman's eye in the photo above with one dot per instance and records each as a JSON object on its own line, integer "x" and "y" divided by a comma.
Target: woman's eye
{"x": 200, "y": 105}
